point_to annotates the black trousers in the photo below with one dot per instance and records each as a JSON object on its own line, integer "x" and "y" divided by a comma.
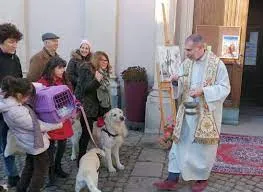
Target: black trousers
{"x": 55, "y": 160}
{"x": 34, "y": 171}
{"x": 85, "y": 136}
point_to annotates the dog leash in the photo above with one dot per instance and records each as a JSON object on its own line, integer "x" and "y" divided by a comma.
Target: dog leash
{"x": 87, "y": 124}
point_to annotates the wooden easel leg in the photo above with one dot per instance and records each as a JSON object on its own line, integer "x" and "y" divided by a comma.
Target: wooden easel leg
{"x": 173, "y": 107}
{"x": 161, "y": 111}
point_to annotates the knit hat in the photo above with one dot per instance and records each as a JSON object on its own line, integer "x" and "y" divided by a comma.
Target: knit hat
{"x": 86, "y": 42}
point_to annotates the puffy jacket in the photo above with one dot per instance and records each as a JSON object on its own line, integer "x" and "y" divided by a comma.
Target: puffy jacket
{"x": 19, "y": 121}
{"x": 74, "y": 64}
{"x": 86, "y": 90}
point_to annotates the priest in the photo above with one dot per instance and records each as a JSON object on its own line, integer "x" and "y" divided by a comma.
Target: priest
{"x": 203, "y": 85}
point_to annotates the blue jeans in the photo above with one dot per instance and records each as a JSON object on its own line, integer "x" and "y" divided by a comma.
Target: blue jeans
{"x": 9, "y": 162}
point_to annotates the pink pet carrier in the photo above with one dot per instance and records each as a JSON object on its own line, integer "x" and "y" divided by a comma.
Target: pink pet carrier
{"x": 54, "y": 104}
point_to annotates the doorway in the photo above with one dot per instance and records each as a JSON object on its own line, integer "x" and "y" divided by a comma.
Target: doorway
{"x": 251, "y": 102}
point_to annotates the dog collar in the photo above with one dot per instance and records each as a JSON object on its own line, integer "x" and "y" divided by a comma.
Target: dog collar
{"x": 109, "y": 134}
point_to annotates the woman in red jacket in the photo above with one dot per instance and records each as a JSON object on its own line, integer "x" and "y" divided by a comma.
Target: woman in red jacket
{"x": 54, "y": 74}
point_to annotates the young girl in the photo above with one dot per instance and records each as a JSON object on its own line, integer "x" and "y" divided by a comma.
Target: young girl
{"x": 29, "y": 132}
{"x": 93, "y": 92}
{"x": 54, "y": 74}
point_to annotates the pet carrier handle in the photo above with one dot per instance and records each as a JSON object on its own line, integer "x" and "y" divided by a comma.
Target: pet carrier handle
{"x": 87, "y": 124}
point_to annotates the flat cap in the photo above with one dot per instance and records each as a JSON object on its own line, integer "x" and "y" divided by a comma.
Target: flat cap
{"x": 47, "y": 36}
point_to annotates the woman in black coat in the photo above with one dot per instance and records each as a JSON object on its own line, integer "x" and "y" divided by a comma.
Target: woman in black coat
{"x": 93, "y": 92}
{"x": 78, "y": 57}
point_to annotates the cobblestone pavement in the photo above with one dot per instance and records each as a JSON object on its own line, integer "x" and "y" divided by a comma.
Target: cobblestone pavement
{"x": 144, "y": 163}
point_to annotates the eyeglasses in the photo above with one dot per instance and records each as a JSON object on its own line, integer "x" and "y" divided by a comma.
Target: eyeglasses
{"x": 104, "y": 60}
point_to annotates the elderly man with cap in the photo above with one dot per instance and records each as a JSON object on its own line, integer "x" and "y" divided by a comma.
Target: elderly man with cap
{"x": 39, "y": 60}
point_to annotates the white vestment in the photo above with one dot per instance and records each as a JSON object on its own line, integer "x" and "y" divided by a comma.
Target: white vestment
{"x": 194, "y": 161}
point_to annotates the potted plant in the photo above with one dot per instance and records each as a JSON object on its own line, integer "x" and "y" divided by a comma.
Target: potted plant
{"x": 166, "y": 140}
{"x": 135, "y": 92}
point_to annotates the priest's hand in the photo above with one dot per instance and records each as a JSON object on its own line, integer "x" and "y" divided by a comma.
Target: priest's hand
{"x": 196, "y": 92}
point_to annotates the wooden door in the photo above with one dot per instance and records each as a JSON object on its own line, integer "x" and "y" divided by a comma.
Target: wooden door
{"x": 226, "y": 13}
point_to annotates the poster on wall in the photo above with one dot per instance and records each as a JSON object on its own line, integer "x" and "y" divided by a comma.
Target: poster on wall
{"x": 230, "y": 47}
{"x": 169, "y": 59}
{"x": 251, "y": 49}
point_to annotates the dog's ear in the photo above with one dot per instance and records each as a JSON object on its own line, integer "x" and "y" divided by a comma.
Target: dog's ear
{"x": 107, "y": 118}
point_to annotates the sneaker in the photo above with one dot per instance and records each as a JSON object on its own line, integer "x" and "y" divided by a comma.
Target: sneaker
{"x": 199, "y": 186}
{"x": 166, "y": 185}
{"x": 13, "y": 180}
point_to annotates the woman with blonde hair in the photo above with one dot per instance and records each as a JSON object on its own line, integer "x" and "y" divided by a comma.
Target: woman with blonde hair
{"x": 93, "y": 92}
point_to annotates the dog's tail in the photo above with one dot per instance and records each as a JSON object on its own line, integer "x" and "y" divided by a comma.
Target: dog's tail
{"x": 98, "y": 151}
{"x": 91, "y": 185}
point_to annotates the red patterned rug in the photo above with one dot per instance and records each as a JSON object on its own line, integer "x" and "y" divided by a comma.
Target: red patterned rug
{"x": 239, "y": 155}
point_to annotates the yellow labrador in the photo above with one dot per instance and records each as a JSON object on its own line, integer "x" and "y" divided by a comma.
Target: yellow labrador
{"x": 88, "y": 170}
{"x": 111, "y": 136}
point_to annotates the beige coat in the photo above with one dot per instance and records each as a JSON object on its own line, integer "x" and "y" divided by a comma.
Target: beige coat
{"x": 37, "y": 65}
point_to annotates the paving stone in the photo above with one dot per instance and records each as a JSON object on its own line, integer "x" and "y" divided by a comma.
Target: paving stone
{"x": 257, "y": 190}
{"x": 152, "y": 155}
{"x": 147, "y": 169}
{"x": 145, "y": 163}
{"x": 136, "y": 184}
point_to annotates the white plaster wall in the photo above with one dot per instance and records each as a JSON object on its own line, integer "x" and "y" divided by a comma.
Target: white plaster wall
{"x": 101, "y": 26}
{"x": 136, "y": 39}
{"x": 62, "y": 17}
{"x": 12, "y": 11}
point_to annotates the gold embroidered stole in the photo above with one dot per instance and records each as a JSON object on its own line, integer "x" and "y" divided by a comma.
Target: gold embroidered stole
{"x": 206, "y": 130}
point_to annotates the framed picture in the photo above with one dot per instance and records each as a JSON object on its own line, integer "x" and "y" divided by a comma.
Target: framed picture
{"x": 230, "y": 46}
{"x": 224, "y": 40}
{"x": 169, "y": 59}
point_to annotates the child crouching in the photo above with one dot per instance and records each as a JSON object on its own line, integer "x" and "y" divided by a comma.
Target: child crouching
{"x": 30, "y": 133}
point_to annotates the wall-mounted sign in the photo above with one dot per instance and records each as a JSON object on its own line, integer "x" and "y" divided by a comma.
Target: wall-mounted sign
{"x": 251, "y": 49}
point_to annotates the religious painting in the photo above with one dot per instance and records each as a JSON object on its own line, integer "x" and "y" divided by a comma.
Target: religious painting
{"x": 230, "y": 47}
{"x": 169, "y": 59}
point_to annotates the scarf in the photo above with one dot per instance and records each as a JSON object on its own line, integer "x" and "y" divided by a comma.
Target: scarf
{"x": 38, "y": 138}
{"x": 103, "y": 92}
{"x": 206, "y": 130}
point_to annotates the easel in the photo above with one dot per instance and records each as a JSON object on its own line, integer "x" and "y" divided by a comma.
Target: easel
{"x": 165, "y": 85}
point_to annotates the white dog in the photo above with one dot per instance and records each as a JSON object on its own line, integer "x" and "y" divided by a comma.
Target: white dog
{"x": 77, "y": 130}
{"x": 3, "y": 188}
{"x": 88, "y": 170}
{"x": 111, "y": 136}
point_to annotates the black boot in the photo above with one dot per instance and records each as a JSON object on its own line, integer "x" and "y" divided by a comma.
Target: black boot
{"x": 60, "y": 152}
{"x": 51, "y": 176}
{"x": 13, "y": 180}
{"x": 59, "y": 171}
